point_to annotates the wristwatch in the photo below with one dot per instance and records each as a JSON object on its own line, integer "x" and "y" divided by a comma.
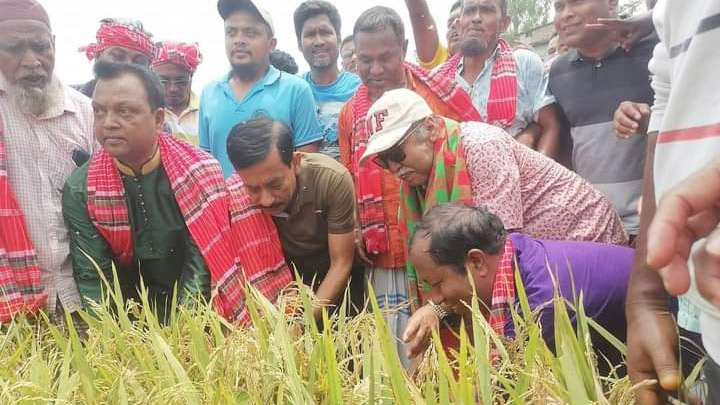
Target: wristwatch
{"x": 440, "y": 310}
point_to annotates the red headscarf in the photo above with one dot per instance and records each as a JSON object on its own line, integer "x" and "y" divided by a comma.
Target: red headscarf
{"x": 182, "y": 54}
{"x": 112, "y": 33}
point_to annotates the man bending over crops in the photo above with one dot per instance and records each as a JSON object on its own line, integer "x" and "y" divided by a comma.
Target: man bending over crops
{"x": 440, "y": 160}
{"x": 149, "y": 204}
{"x": 455, "y": 244}
{"x": 310, "y": 198}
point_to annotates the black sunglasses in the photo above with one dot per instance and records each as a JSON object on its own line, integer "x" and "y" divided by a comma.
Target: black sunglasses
{"x": 395, "y": 153}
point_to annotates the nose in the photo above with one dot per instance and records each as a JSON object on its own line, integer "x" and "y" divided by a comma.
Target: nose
{"x": 265, "y": 199}
{"x": 171, "y": 86}
{"x": 109, "y": 121}
{"x": 30, "y": 60}
{"x": 376, "y": 69}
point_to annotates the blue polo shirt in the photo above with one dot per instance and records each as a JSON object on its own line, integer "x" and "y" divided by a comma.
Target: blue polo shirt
{"x": 277, "y": 95}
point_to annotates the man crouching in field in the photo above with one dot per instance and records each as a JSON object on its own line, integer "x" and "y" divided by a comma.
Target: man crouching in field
{"x": 153, "y": 205}
{"x": 454, "y": 242}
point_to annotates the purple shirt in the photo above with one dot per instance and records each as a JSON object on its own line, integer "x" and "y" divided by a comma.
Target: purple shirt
{"x": 601, "y": 271}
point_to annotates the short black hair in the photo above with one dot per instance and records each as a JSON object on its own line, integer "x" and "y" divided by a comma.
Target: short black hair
{"x": 380, "y": 18}
{"x": 458, "y": 4}
{"x": 345, "y": 40}
{"x": 283, "y": 61}
{"x": 314, "y": 8}
{"x": 250, "y": 142}
{"x": 503, "y": 6}
{"x": 150, "y": 81}
{"x": 455, "y": 229}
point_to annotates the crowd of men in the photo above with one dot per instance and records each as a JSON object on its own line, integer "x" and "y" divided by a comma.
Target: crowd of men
{"x": 594, "y": 171}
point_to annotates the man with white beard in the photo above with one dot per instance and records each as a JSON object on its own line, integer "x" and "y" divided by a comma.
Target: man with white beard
{"x": 45, "y": 133}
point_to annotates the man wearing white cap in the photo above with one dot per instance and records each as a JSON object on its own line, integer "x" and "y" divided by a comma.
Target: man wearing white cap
{"x": 254, "y": 88}
{"x": 441, "y": 161}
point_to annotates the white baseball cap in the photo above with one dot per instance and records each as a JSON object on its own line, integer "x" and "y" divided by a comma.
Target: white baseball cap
{"x": 391, "y": 116}
{"x": 227, "y": 7}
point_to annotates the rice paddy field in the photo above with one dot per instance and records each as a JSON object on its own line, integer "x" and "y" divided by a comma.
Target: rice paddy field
{"x": 129, "y": 357}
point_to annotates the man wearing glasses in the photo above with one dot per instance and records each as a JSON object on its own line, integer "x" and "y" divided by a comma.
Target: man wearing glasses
{"x": 175, "y": 63}
{"x": 442, "y": 161}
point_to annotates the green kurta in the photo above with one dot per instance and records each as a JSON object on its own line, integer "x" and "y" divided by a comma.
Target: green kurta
{"x": 164, "y": 252}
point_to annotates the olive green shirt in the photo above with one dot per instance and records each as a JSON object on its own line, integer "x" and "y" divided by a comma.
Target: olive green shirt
{"x": 324, "y": 203}
{"x": 164, "y": 251}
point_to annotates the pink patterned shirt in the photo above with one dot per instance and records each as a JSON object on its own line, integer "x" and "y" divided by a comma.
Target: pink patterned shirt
{"x": 532, "y": 193}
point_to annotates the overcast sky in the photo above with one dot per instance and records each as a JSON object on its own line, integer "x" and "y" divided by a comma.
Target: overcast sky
{"x": 75, "y": 23}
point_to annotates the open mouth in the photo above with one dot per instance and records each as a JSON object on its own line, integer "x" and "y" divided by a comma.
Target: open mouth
{"x": 34, "y": 80}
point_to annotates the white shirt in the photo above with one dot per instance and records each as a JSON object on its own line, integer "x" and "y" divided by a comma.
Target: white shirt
{"x": 39, "y": 158}
{"x": 686, "y": 114}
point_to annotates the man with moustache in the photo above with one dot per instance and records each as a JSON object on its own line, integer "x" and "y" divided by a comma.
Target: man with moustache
{"x": 589, "y": 82}
{"x": 175, "y": 63}
{"x": 148, "y": 205}
{"x": 317, "y": 26}
{"x": 508, "y": 87}
{"x": 380, "y": 48}
{"x": 253, "y": 87}
{"x": 309, "y": 197}
{"x": 120, "y": 40}
{"x": 347, "y": 54}
{"x": 45, "y": 133}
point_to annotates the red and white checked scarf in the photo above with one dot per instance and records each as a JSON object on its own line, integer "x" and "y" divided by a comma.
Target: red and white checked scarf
{"x": 503, "y": 293}
{"x": 116, "y": 34}
{"x": 368, "y": 176}
{"x": 20, "y": 276}
{"x": 259, "y": 248}
{"x": 502, "y": 101}
{"x": 186, "y": 55}
{"x": 197, "y": 181}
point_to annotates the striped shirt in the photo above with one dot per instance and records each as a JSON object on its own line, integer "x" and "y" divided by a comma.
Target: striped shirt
{"x": 686, "y": 115}
{"x": 532, "y": 82}
{"x": 39, "y": 158}
{"x": 588, "y": 92}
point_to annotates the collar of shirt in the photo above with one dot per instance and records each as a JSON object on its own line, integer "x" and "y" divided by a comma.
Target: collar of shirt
{"x": 56, "y": 110}
{"x": 193, "y": 105}
{"x": 305, "y": 192}
{"x": 488, "y": 64}
{"x": 272, "y": 76}
{"x": 575, "y": 56}
{"x": 152, "y": 164}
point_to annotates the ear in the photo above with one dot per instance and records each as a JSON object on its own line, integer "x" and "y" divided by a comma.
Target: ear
{"x": 432, "y": 126}
{"x": 159, "y": 116}
{"x": 273, "y": 43}
{"x": 404, "y": 49}
{"x": 295, "y": 163}
{"x": 476, "y": 262}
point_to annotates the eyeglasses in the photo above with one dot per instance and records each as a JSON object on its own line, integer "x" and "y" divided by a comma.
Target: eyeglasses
{"x": 395, "y": 153}
{"x": 178, "y": 82}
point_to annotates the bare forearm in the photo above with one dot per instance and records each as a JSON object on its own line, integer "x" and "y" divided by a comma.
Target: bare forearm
{"x": 529, "y": 135}
{"x": 646, "y": 286}
{"x": 424, "y": 29}
{"x": 311, "y": 148}
{"x": 334, "y": 283}
{"x": 549, "y": 142}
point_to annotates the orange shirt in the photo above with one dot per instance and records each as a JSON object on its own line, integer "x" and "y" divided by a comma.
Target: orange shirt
{"x": 396, "y": 255}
